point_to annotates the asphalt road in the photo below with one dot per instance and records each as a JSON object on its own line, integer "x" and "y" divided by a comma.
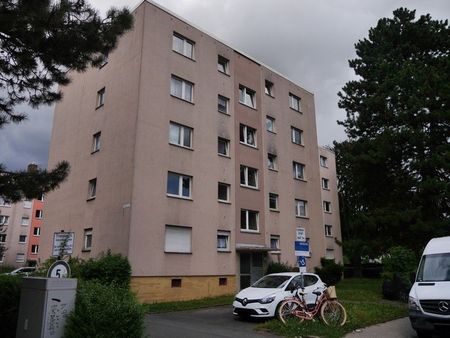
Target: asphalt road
{"x": 204, "y": 323}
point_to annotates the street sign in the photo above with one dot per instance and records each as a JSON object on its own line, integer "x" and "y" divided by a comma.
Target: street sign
{"x": 59, "y": 269}
{"x": 301, "y": 235}
{"x": 301, "y": 261}
{"x": 302, "y": 248}
{"x": 63, "y": 243}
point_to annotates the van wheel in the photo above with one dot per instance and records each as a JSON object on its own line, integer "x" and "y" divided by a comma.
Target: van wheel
{"x": 424, "y": 334}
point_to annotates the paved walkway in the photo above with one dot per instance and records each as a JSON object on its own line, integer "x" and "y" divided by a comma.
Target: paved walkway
{"x": 400, "y": 328}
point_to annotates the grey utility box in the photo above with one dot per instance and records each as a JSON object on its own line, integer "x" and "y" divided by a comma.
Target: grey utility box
{"x": 44, "y": 305}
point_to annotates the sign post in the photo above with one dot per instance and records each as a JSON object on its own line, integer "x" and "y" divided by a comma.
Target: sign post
{"x": 301, "y": 261}
{"x": 301, "y": 247}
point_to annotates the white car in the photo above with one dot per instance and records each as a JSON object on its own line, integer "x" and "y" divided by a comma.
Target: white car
{"x": 262, "y": 298}
{"x": 24, "y": 271}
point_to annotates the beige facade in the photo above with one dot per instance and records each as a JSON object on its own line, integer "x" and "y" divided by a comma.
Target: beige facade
{"x": 142, "y": 137}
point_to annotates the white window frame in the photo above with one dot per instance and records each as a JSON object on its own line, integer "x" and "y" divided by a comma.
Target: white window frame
{"x": 272, "y": 195}
{"x": 39, "y": 214}
{"x": 25, "y": 221}
{"x": 21, "y": 259}
{"x": 179, "y": 244}
{"x": 187, "y": 46}
{"x": 323, "y": 161}
{"x": 270, "y": 124}
{"x": 268, "y": 88}
{"x": 4, "y": 203}
{"x": 92, "y": 188}
{"x": 299, "y": 206}
{"x": 181, "y": 130}
{"x": 4, "y": 220}
{"x": 27, "y": 204}
{"x": 247, "y": 96}
{"x": 87, "y": 234}
{"x": 186, "y": 87}
{"x": 101, "y": 97}
{"x": 37, "y": 231}
{"x": 272, "y": 163}
{"x": 246, "y": 177}
{"x": 327, "y": 207}
{"x": 227, "y": 146}
{"x": 226, "y": 235}
{"x": 96, "y": 142}
{"x": 24, "y": 241}
{"x": 223, "y": 65}
{"x": 296, "y": 136}
{"x": 275, "y": 238}
{"x": 328, "y": 230}
{"x": 228, "y": 186}
{"x": 246, "y": 227}
{"x": 226, "y": 100}
{"x": 298, "y": 170}
{"x": 295, "y": 102}
{"x": 325, "y": 183}
{"x": 244, "y": 138}
{"x": 181, "y": 178}
{"x": 36, "y": 250}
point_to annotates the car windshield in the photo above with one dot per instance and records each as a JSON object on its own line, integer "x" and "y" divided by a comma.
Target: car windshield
{"x": 434, "y": 268}
{"x": 271, "y": 282}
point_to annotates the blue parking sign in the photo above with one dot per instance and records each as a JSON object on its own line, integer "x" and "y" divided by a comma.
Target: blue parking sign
{"x": 301, "y": 260}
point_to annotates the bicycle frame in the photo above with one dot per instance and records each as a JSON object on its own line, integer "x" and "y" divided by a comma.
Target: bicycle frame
{"x": 304, "y": 312}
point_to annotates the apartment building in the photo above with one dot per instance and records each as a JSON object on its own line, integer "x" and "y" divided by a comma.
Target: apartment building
{"x": 191, "y": 158}
{"x": 35, "y": 229}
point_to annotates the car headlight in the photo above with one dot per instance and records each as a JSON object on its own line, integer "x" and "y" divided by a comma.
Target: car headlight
{"x": 413, "y": 303}
{"x": 267, "y": 300}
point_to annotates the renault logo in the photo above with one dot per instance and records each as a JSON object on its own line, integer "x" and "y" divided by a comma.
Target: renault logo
{"x": 244, "y": 301}
{"x": 443, "y": 306}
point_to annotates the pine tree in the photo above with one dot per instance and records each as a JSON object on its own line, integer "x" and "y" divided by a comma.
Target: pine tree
{"x": 40, "y": 41}
{"x": 394, "y": 169}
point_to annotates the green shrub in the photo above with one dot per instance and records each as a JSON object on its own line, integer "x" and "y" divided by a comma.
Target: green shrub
{"x": 104, "y": 311}
{"x": 275, "y": 267}
{"x": 10, "y": 287}
{"x": 107, "y": 269}
{"x": 401, "y": 262}
{"x": 330, "y": 272}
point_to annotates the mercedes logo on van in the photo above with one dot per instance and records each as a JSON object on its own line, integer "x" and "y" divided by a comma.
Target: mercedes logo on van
{"x": 244, "y": 301}
{"x": 443, "y": 306}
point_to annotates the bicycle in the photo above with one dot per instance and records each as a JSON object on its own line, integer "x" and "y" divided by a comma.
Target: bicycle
{"x": 331, "y": 311}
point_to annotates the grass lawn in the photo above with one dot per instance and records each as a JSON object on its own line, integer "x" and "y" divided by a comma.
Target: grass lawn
{"x": 189, "y": 304}
{"x": 363, "y": 302}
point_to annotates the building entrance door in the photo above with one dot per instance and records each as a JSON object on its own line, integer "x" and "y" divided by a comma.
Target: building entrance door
{"x": 251, "y": 268}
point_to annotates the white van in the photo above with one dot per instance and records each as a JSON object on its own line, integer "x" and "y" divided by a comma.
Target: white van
{"x": 429, "y": 298}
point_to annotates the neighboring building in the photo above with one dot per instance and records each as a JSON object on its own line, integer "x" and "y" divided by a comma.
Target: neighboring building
{"x": 192, "y": 159}
{"x": 15, "y": 220}
{"x": 35, "y": 229}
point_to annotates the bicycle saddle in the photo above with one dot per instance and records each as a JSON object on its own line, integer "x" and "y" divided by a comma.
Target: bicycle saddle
{"x": 317, "y": 293}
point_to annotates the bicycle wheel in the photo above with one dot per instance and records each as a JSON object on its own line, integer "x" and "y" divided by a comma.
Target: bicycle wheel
{"x": 333, "y": 313}
{"x": 287, "y": 310}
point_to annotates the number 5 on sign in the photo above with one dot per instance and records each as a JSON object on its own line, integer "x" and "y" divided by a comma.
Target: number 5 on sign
{"x": 59, "y": 269}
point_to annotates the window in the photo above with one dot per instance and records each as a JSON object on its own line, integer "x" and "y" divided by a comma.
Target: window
{"x": 273, "y": 201}
{"x": 328, "y": 230}
{"x": 22, "y": 238}
{"x": 179, "y": 185}
{"x": 96, "y": 142}
{"x": 25, "y": 220}
{"x": 297, "y": 136}
{"x": 247, "y": 96}
{"x": 247, "y": 135}
{"x": 323, "y": 161}
{"x": 223, "y": 281}
{"x": 329, "y": 254}
{"x": 249, "y": 220}
{"x": 87, "y": 239}
{"x": 275, "y": 242}
{"x": 249, "y": 177}
{"x": 223, "y": 240}
{"x": 20, "y": 258}
{"x": 301, "y": 208}
{"x": 181, "y": 88}
{"x": 268, "y": 88}
{"x": 326, "y": 206}
{"x": 325, "y": 183}
{"x": 223, "y": 147}
{"x": 298, "y": 170}
{"x": 223, "y": 194}
{"x": 223, "y": 64}
{"x": 294, "y": 102}
{"x": 178, "y": 239}
{"x": 270, "y": 124}
{"x": 41, "y": 198}
{"x": 36, "y": 231}
{"x": 180, "y": 135}
{"x": 2, "y": 238}
{"x": 34, "y": 249}
{"x": 182, "y": 45}
{"x": 272, "y": 161}
{"x": 4, "y": 220}
{"x": 4, "y": 203}
{"x": 176, "y": 282}
{"x": 92, "y": 188}
{"x": 27, "y": 204}
{"x": 100, "y": 97}
{"x": 222, "y": 104}
{"x": 39, "y": 214}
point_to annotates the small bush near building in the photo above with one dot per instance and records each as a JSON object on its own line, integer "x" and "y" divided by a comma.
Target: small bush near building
{"x": 10, "y": 287}
{"x": 104, "y": 311}
{"x": 275, "y": 267}
{"x": 330, "y": 272}
{"x": 107, "y": 269}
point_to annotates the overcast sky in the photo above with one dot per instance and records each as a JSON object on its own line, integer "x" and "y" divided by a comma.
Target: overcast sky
{"x": 308, "y": 41}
